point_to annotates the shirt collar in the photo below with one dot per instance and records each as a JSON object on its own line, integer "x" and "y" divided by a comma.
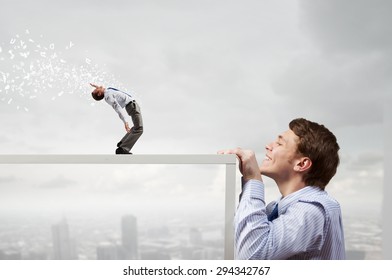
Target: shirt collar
{"x": 285, "y": 202}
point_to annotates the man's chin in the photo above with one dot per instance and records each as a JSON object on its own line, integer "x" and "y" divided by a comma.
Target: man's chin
{"x": 265, "y": 172}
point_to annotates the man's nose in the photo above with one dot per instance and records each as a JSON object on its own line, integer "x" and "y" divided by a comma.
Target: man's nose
{"x": 268, "y": 147}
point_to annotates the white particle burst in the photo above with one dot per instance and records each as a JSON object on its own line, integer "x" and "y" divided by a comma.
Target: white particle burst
{"x": 38, "y": 68}
{"x": 11, "y": 54}
{"x": 4, "y": 77}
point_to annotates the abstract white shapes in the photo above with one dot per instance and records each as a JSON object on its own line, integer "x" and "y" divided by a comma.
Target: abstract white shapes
{"x": 38, "y": 69}
{"x": 11, "y": 54}
{"x": 3, "y": 76}
{"x": 24, "y": 54}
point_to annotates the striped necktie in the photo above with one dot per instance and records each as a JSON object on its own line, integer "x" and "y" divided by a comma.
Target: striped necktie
{"x": 274, "y": 214}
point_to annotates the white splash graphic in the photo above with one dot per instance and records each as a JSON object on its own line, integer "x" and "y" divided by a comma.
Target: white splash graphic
{"x": 31, "y": 69}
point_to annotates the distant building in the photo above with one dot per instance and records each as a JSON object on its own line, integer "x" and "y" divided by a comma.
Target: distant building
{"x": 195, "y": 236}
{"x": 108, "y": 251}
{"x": 155, "y": 255}
{"x": 10, "y": 254}
{"x": 37, "y": 255}
{"x": 129, "y": 237}
{"x": 63, "y": 247}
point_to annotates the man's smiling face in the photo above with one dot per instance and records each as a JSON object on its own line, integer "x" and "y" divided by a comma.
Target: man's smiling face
{"x": 280, "y": 156}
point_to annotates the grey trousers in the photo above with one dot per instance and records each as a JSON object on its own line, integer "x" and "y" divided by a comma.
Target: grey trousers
{"x": 131, "y": 137}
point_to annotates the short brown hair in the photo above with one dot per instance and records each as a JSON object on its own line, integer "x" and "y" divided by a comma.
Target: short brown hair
{"x": 96, "y": 97}
{"x": 320, "y": 145}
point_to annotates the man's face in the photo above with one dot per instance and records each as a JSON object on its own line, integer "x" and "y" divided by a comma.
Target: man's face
{"x": 280, "y": 157}
{"x": 98, "y": 91}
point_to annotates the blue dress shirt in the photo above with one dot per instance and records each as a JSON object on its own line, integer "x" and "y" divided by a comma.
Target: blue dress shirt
{"x": 308, "y": 226}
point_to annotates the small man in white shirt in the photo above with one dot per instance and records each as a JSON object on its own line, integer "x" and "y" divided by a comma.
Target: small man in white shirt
{"x": 118, "y": 100}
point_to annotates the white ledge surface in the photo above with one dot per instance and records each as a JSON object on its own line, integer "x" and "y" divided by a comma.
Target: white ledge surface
{"x": 117, "y": 159}
{"x": 228, "y": 160}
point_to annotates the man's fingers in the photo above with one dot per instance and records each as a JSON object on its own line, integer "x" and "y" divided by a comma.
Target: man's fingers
{"x": 232, "y": 152}
{"x": 247, "y": 162}
{"x": 236, "y": 151}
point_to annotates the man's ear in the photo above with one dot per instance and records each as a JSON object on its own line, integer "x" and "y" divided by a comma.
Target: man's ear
{"x": 303, "y": 164}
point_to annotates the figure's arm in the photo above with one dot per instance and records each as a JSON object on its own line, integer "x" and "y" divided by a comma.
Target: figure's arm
{"x": 96, "y": 86}
{"x": 127, "y": 128}
{"x": 112, "y": 102}
{"x": 93, "y": 85}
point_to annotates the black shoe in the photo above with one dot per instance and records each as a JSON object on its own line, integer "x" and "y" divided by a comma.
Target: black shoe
{"x": 119, "y": 144}
{"x": 120, "y": 151}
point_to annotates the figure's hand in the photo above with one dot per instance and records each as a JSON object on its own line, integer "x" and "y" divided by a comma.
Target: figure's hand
{"x": 127, "y": 128}
{"x": 94, "y": 85}
{"x": 249, "y": 167}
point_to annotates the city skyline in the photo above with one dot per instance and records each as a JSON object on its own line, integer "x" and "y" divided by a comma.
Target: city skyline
{"x": 93, "y": 240}
{"x": 101, "y": 238}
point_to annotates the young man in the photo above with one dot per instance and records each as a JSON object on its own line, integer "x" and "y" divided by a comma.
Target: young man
{"x": 305, "y": 222}
{"x": 118, "y": 100}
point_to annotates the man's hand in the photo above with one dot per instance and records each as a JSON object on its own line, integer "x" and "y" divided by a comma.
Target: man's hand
{"x": 96, "y": 86}
{"x": 249, "y": 167}
{"x": 127, "y": 127}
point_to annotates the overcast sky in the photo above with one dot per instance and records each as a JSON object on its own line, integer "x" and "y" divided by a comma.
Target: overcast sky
{"x": 208, "y": 75}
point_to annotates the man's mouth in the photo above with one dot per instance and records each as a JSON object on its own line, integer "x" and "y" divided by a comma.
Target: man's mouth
{"x": 267, "y": 158}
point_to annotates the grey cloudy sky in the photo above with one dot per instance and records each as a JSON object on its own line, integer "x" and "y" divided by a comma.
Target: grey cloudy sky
{"x": 207, "y": 74}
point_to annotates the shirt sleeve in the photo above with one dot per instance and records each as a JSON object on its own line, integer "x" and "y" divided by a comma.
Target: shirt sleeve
{"x": 300, "y": 229}
{"x": 112, "y": 102}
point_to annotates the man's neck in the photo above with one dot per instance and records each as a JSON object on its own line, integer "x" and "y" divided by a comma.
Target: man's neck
{"x": 290, "y": 186}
